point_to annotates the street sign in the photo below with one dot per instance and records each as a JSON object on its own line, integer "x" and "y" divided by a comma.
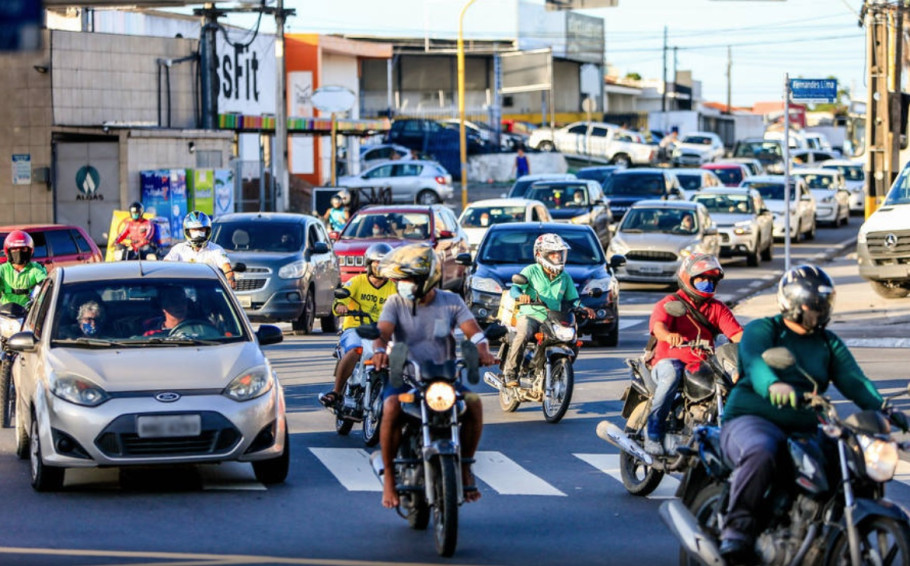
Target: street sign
{"x": 813, "y": 90}
{"x": 580, "y": 4}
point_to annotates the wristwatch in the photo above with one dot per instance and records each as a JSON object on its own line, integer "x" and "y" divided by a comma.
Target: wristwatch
{"x": 379, "y": 350}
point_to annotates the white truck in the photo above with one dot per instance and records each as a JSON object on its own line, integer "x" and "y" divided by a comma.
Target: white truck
{"x": 883, "y": 242}
{"x": 598, "y": 141}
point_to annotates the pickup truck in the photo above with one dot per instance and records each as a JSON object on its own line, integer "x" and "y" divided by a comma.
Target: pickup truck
{"x": 595, "y": 140}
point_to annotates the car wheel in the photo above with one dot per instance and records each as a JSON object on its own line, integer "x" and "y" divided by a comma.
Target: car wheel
{"x": 44, "y": 478}
{"x": 427, "y": 197}
{"x": 798, "y": 236}
{"x": 329, "y": 324}
{"x": 304, "y": 323}
{"x": 889, "y": 289}
{"x": 622, "y": 160}
{"x": 752, "y": 258}
{"x": 275, "y": 470}
{"x": 545, "y": 146}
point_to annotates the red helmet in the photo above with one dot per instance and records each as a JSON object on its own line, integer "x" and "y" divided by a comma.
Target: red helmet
{"x": 695, "y": 265}
{"x": 23, "y": 245}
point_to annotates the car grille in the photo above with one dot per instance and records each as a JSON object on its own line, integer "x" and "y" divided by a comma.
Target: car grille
{"x": 120, "y": 439}
{"x": 250, "y": 284}
{"x": 889, "y": 248}
{"x": 350, "y": 260}
{"x": 648, "y": 255}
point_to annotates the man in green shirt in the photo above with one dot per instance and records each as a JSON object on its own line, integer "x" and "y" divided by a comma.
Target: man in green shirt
{"x": 19, "y": 275}
{"x": 548, "y": 283}
{"x": 763, "y": 408}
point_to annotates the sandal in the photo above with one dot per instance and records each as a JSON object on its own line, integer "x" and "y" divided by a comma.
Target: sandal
{"x": 329, "y": 400}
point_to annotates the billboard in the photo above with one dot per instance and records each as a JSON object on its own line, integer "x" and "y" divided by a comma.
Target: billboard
{"x": 246, "y": 73}
{"x": 526, "y": 71}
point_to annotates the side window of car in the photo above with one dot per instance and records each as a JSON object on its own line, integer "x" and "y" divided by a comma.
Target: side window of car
{"x": 580, "y": 129}
{"x": 312, "y": 236}
{"x": 321, "y": 235}
{"x": 407, "y": 170}
{"x": 61, "y": 243}
{"x": 38, "y": 313}
{"x": 84, "y": 247}
{"x": 598, "y": 132}
{"x": 40, "y": 245}
{"x": 384, "y": 171}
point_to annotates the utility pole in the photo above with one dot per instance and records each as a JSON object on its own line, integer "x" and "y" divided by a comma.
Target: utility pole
{"x": 675, "y": 101}
{"x": 729, "y": 80}
{"x": 209, "y": 64}
{"x": 878, "y": 117}
{"x": 280, "y": 156}
{"x": 663, "y": 102}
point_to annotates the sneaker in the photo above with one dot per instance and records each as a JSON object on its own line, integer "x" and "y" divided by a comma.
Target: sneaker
{"x": 653, "y": 447}
{"x": 511, "y": 380}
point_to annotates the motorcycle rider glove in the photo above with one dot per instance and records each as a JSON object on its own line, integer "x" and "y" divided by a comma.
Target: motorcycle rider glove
{"x": 782, "y": 394}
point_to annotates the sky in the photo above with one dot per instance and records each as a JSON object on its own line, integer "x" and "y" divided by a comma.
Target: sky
{"x": 767, "y": 38}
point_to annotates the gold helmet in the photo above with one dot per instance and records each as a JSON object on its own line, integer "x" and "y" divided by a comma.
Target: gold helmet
{"x": 417, "y": 262}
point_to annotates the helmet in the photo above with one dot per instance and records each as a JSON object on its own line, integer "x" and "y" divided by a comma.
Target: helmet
{"x": 375, "y": 253}
{"x": 336, "y": 201}
{"x": 197, "y": 221}
{"x": 545, "y": 245}
{"x": 695, "y": 265}
{"x": 805, "y": 296}
{"x": 345, "y": 196}
{"x": 18, "y": 247}
{"x": 136, "y": 210}
{"x": 417, "y": 262}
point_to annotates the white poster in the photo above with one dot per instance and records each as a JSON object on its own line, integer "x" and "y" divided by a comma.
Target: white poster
{"x": 302, "y": 154}
{"x": 300, "y": 94}
{"x": 22, "y": 169}
{"x": 246, "y": 73}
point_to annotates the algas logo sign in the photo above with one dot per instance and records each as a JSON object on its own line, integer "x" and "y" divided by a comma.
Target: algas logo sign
{"x": 88, "y": 183}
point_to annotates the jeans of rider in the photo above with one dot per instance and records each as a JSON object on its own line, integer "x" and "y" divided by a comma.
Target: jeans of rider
{"x": 755, "y": 447}
{"x": 525, "y": 328}
{"x": 667, "y": 374}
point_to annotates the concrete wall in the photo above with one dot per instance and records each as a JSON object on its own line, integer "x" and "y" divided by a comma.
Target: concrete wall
{"x": 498, "y": 167}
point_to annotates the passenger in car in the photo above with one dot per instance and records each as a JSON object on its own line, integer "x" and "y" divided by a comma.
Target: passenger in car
{"x": 90, "y": 322}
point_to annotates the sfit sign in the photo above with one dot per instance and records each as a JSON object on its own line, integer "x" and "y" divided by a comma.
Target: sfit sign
{"x": 246, "y": 73}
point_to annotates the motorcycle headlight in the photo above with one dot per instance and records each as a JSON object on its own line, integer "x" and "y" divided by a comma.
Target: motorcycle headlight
{"x": 742, "y": 228}
{"x": 440, "y": 396}
{"x": 881, "y": 457}
{"x": 564, "y": 333}
{"x": 79, "y": 391}
{"x": 294, "y": 270}
{"x": 486, "y": 285}
{"x": 602, "y": 284}
{"x": 249, "y": 385}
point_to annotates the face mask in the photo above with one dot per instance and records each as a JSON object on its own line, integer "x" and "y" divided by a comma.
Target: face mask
{"x": 407, "y": 290}
{"x": 89, "y": 328}
{"x": 377, "y": 231}
{"x": 135, "y": 215}
{"x": 197, "y": 234}
{"x": 484, "y": 221}
{"x": 705, "y": 286}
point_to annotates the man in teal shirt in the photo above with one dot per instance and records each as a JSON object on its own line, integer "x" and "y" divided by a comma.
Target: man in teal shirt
{"x": 19, "y": 275}
{"x": 549, "y": 284}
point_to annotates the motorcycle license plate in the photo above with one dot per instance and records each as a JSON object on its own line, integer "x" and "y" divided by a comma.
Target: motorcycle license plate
{"x": 167, "y": 426}
{"x": 245, "y": 301}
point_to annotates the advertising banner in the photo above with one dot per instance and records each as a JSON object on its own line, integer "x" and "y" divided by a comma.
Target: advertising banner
{"x": 224, "y": 192}
{"x": 246, "y": 73}
{"x": 200, "y": 185}
{"x": 155, "y": 191}
{"x": 178, "y": 200}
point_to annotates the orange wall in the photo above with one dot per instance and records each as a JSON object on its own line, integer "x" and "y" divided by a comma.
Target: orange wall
{"x": 302, "y": 54}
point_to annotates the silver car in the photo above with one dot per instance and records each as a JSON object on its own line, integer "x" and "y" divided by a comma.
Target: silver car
{"x": 482, "y": 214}
{"x": 855, "y": 179}
{"x": 171, "y": 373}
{"x": 414, "y": 181}
{"x": 745, "y": 225}
{"x": 655, "y": 236}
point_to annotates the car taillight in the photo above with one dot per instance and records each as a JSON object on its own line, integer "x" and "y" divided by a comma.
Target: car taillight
{"x": 441, "y": 180}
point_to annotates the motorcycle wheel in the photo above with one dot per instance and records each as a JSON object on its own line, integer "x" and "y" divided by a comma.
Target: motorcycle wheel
{"x": 882, "y": 540}
{"x": 556, "y": 403}
{"x": 445, "y": 511}
{"x": 637, "y": 477}
{"x": 373, "y": 416}
{"x": 343, "y": 426}
{"x": 508, "y": 399}
{"x": 704, "y": 508}
{"x": 7, "y": 392}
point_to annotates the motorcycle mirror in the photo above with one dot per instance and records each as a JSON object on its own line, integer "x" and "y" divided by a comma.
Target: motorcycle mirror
{"x": 342, "y": 293}
{"x": 239, "y": 267}
{"x": 471, "y": 358}
{"x": 495, "y": 331}
{"x": 779, "y": 358}
{"x": 596, "y": 292}
{"x": 519, "y": 279}
{"x": 675, "y": 309}
{"x": 12, "y": 310}
{"x": 398, "y": 358}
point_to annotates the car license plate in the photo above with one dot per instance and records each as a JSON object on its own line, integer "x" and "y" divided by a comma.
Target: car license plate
{"x": 649, "y": 269}
{"x": 245, "y": 301}
{"x": 169, "y": 426}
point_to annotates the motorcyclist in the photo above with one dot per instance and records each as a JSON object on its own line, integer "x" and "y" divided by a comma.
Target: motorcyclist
{"x": 197, "y": 228}
{"x": 697, "y": 278}
{"x": 424, "y": 318}
{"x": 763, "y": 409}
{"x": 369, "y": 291}
{"x": 19, "y": 275}
{"x": 336, "y": 216}
{"x": 547, "y": 282}
{"x": 139, "y": 231}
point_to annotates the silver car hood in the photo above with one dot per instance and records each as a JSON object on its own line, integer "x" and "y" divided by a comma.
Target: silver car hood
{"x": 657, "y": 241}
{"x": 730, "y": 218}
{"x": 158, "y": 368}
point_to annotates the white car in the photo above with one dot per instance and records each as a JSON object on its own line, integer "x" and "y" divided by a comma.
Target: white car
{"x": 697, "y": 148}
{"x": 144, "y": 389}
{"x": 802, "y": 204}
{"x": 832, "y": 200}
{"x": 415, "y": 181}
{"x": 480, "y": 215}
{"x": 744, "y": 223}
{"x": 855, "y": 179}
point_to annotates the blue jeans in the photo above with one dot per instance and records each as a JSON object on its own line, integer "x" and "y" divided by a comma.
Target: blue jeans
{"x": 666, "y": 374}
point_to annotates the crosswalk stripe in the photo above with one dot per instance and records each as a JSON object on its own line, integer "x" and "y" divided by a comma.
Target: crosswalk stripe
{"x": 629, "y": 322}
{"x": 609, "y": 464}
{"x": 350, "y": 466}
{"x": 508, "y": 478}
{"x": 902, "y": 474}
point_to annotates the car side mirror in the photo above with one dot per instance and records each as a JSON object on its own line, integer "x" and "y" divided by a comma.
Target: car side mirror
{"x": 519, "y": 279}
{"x": 463, "y": 259}
{"x": 341, "y": 293}
{"x": 320, "y": 248}
{"x": 617, "y": 260}
{"x": 269, "y": 334}
{"x": 446, "y": 234}
{"x": 22, "y": 342}
{"x": 239, "y": 267}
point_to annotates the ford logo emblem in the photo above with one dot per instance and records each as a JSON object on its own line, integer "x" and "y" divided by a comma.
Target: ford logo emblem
{"x": 167, "y": 397}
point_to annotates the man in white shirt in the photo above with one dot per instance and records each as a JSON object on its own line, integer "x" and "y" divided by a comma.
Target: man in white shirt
{"x": 197, "y": 228}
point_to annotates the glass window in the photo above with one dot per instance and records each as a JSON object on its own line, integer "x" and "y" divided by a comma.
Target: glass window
{"x": 514, "y": 246}
{"x": 725, "y": 203}
{"x": 83, "y": 246}
{"x": 379, "y": 172}
{"x": 729, "y": 176}
{"x": 258, "y": 236}
{"x": 483, "y": 216}
{"x": 407, "y": 170}
{"x": 37, "y": 314}
{"x": 667, "y": 220}
{"x": 580, "y": 129}
{"x": 636, "y": 184}
{"x": 61, "y": 243}
{"x": 599, "y": 132}
{"x": 772, "y": 191}
{"x": 556, "y": 197}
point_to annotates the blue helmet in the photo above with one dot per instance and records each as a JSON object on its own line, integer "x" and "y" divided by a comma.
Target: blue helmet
{"x": 197, "y": 228}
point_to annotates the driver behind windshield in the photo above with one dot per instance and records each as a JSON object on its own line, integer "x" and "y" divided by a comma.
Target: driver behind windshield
{"x": 174, "y": 309}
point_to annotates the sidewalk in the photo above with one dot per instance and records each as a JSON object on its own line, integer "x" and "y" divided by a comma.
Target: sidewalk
{"x": 861, "y": 317}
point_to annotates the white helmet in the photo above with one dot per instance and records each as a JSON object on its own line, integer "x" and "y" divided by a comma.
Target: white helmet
{"x": 544, "y": 246}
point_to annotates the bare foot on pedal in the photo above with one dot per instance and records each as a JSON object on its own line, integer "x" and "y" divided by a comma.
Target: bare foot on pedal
{"x": 389, "y": 493}
{"x": 471, "y": 493}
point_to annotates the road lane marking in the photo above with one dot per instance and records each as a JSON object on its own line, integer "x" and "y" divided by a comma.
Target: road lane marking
{"x": 609, "y": 464}
{"x": 625, "y": 323}
{"x": 877, "y": 342}
{"x": 508, "y": 478}
{"x": 350, "y": 466}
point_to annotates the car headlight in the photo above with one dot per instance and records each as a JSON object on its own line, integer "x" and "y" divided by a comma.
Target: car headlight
{"x": 294, "y": 270}
{"x": 486, "y": 285}
{"x": 881, "y": 457}
{"x": 249, "y": 385}
{"x": 79, "y": 391}
{"x": 440, "y": 396}
{"x": 564, "y": 333}
{"x": 602, "y": 284}
{"x": 689, "y": 250}
{"x": 617, "y": 246}
{"x": 742, "y": 228}
{"x": 861, "y": 237}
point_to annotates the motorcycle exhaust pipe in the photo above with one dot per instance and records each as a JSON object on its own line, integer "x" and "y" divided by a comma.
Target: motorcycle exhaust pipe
{"x": 615, "y": 436}
{"x": 685, "y": 528}
{"x": 492, "y": 380}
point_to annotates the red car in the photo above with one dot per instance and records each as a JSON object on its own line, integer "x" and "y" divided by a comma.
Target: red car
{"x": 57, "y": 244}
{"x": 731, "y": 174}
{"x": 400, "y": 225}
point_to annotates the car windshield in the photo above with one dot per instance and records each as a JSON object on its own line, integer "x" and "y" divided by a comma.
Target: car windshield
{"x": 730, "y": 175}
{"x": 816, "y": 181}
{"x": 850, "y": 172}
{"x": 636, "y": 184}
{"x": 142, "y": 312}
{"x": 689, "y": 181}
{"x": 703, "y": 140}
{"x": 726, "y": 203}
{"x": 900, "y": 191}
{"x": 557, "y": 197}
{"x": 517, "y": 246}
{"x": 759, "y": 150}
{"x": 667, "y": 220}
{"x": 772, "y": 191}
{"x": 245, "y": 236}
{"x": 385, "y": 225}
{"x": 483, "y": 216}
{"x": 520, "y": 187}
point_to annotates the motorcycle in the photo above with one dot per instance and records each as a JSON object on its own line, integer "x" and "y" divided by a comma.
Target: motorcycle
{"x": 699, "y": 401}
{"x": 11, "y": 317}
{"x": 545, "y": 373}
{"x": 124, "y": 252}
{"x": 362, "y": 397}
{"x": 428, "y": 463}
{"x": 823, "y": 513}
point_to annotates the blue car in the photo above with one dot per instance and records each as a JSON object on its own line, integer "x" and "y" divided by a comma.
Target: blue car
{"x": 507, "y": 248}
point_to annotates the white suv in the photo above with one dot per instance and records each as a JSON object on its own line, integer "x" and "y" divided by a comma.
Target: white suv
{"x": 802, "y": 204}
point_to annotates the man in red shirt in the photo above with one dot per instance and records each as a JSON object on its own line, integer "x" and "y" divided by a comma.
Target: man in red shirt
{"x": 698, "y": 277}
{"x": 139, "y": 231}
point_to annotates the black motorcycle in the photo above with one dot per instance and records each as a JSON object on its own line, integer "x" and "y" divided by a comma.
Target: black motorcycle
{"x": 11, "y": 317}
{"x": 826, "y": 512}
{"x": 699, "y": 401}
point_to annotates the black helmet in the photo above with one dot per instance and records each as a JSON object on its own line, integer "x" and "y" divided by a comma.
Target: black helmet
{"x": 805, "y": 296}
{"x": 375, "y": 254}
{"x": 417, "y": 262}
{"x": 136, "y": 210}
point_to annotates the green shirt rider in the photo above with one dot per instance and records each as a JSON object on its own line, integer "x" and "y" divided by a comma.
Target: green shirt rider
{"x": 19, "y": 275}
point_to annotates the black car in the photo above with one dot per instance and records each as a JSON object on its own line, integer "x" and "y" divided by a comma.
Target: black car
{"x": 506, "y": 249}
{"x": 599, "y": 173}
{"x": 577, "y": 202}
{"x": 769, "y": 151}
{"x": 625, "y": 188}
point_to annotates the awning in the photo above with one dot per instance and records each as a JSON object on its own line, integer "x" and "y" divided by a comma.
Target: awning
{"x": 321, "y": 126}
